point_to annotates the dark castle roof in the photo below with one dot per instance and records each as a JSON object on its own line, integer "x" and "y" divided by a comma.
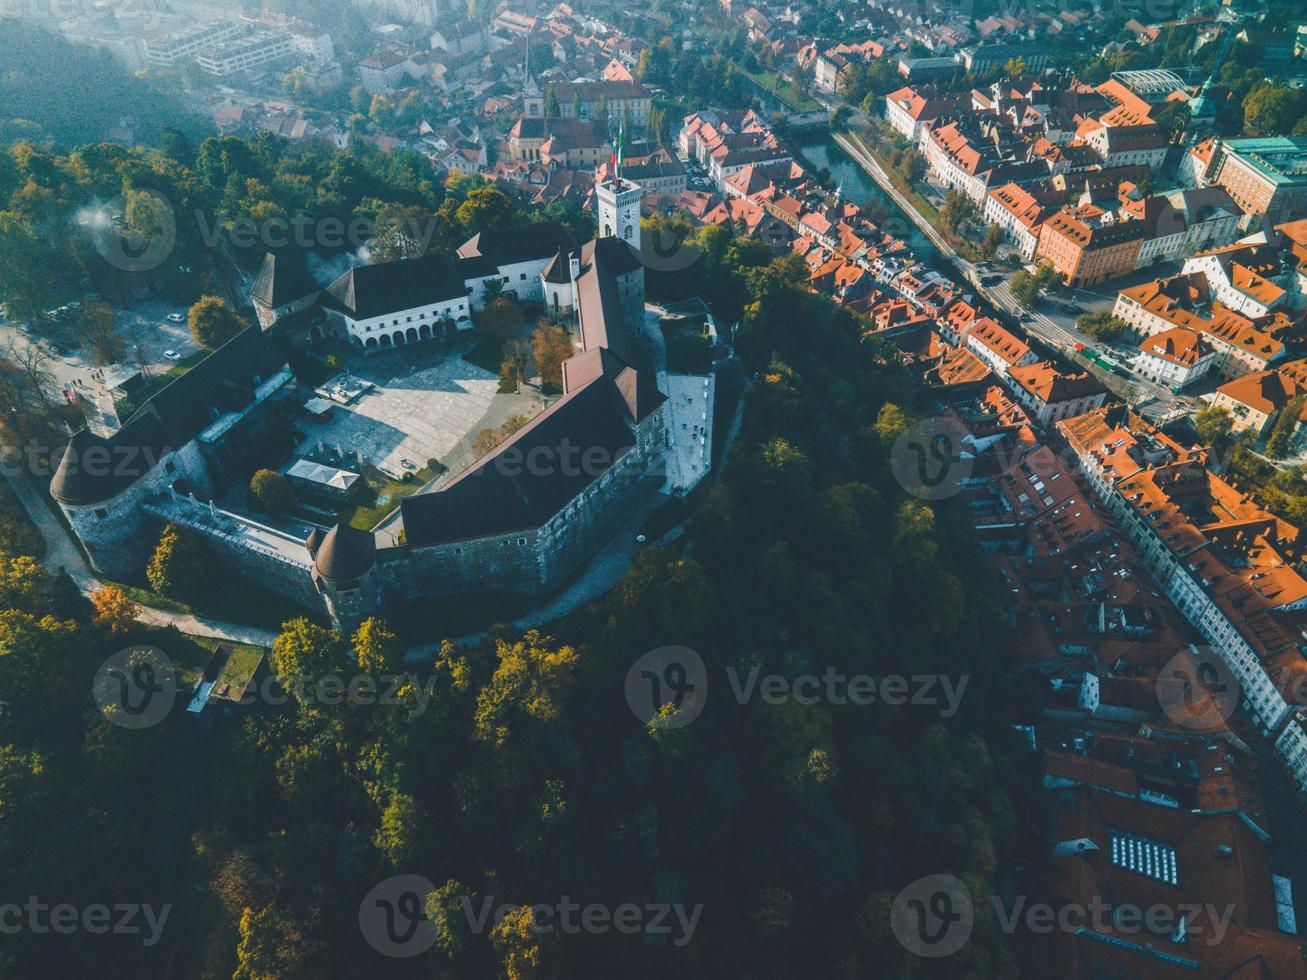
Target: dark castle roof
{"x": 542, "y": 467}
{"x": 94, "y": 468}
{"x": 283, "y": 278}
{"x": 523, "y": 243}
{"x": 375, "y": 290}
{"x": 636, "y": 390}
{"x": 345, "y": 553}
{"x": 598, "y": 295}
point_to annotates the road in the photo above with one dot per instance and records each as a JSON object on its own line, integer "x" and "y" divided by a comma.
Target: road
{"x": 1062, "y": 337}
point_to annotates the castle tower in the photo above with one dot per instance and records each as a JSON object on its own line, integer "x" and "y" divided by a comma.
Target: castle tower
{"x": 619, "y": 209}
{"x": 345, "y": 573}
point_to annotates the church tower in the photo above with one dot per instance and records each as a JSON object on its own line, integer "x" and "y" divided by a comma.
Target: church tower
{"x": 533, "y": 103}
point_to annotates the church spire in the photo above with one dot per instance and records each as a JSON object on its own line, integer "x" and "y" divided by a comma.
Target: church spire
{"x": 529, "y": 85}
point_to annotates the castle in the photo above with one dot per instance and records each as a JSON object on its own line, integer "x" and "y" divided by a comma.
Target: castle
{"x": 522, "y": 518}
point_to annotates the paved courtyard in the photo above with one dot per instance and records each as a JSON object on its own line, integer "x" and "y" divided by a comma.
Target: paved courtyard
{"x": 690, "y": 405}
{"x": 416, "y": 413}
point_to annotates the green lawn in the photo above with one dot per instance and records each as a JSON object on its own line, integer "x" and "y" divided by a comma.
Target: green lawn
{"x": 193, "y": 655}
{"x": 383, "y": 496}
{"x": 240, "y": 667}
{"x": 772, "y": 83}
{"x": 687, "y": 353}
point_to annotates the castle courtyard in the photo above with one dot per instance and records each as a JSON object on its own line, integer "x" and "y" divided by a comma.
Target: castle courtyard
{"x": 415, "y": 413}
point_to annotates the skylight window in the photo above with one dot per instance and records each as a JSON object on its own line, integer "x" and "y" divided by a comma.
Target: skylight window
{"x": 1150, "y": 858}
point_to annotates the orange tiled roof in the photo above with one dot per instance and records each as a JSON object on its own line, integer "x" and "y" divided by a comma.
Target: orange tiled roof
{"x": 1001, "y": 341}
{"x": 1177, "y": 345}
{"x": 1044, "y": 381}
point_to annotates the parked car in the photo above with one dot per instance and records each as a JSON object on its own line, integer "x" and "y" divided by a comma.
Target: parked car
{"x": 176, "y": 318}
{"x": 172, "y": 355}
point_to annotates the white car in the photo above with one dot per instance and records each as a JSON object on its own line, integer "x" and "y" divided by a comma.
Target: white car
{"x": 172, "y": 355}
{"x": 176, "y": 318}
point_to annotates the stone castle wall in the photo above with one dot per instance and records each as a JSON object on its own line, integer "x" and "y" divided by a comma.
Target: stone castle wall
{"x": 117, "y": 533}
{"x": 272, "y": 569}
{"x": 535, "y": 561}
{"x": 503, "y": 563}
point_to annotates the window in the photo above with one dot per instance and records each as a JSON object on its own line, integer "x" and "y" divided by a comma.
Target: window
{"x": 170, "y": 466}
{"x": 522, "y": 277}
{"x": 521, "y": 541}
{"x": 101, "y": 513}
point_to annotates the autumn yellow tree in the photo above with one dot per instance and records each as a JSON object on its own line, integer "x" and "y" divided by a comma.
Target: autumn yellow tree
{"x": 552, "y": 346}
{"x": 378, "y": 649}
{"x": 522, "y": 944}
{"x": 213, "y": 322}
{"x": 177, "y": 567}
{"x": 114, "y": 611}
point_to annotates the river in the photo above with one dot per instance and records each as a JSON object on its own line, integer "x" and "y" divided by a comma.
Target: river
{"x": 858, "y": 187}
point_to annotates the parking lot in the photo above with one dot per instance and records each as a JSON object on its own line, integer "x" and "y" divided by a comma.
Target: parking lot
{"x": 147, "y": 333}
